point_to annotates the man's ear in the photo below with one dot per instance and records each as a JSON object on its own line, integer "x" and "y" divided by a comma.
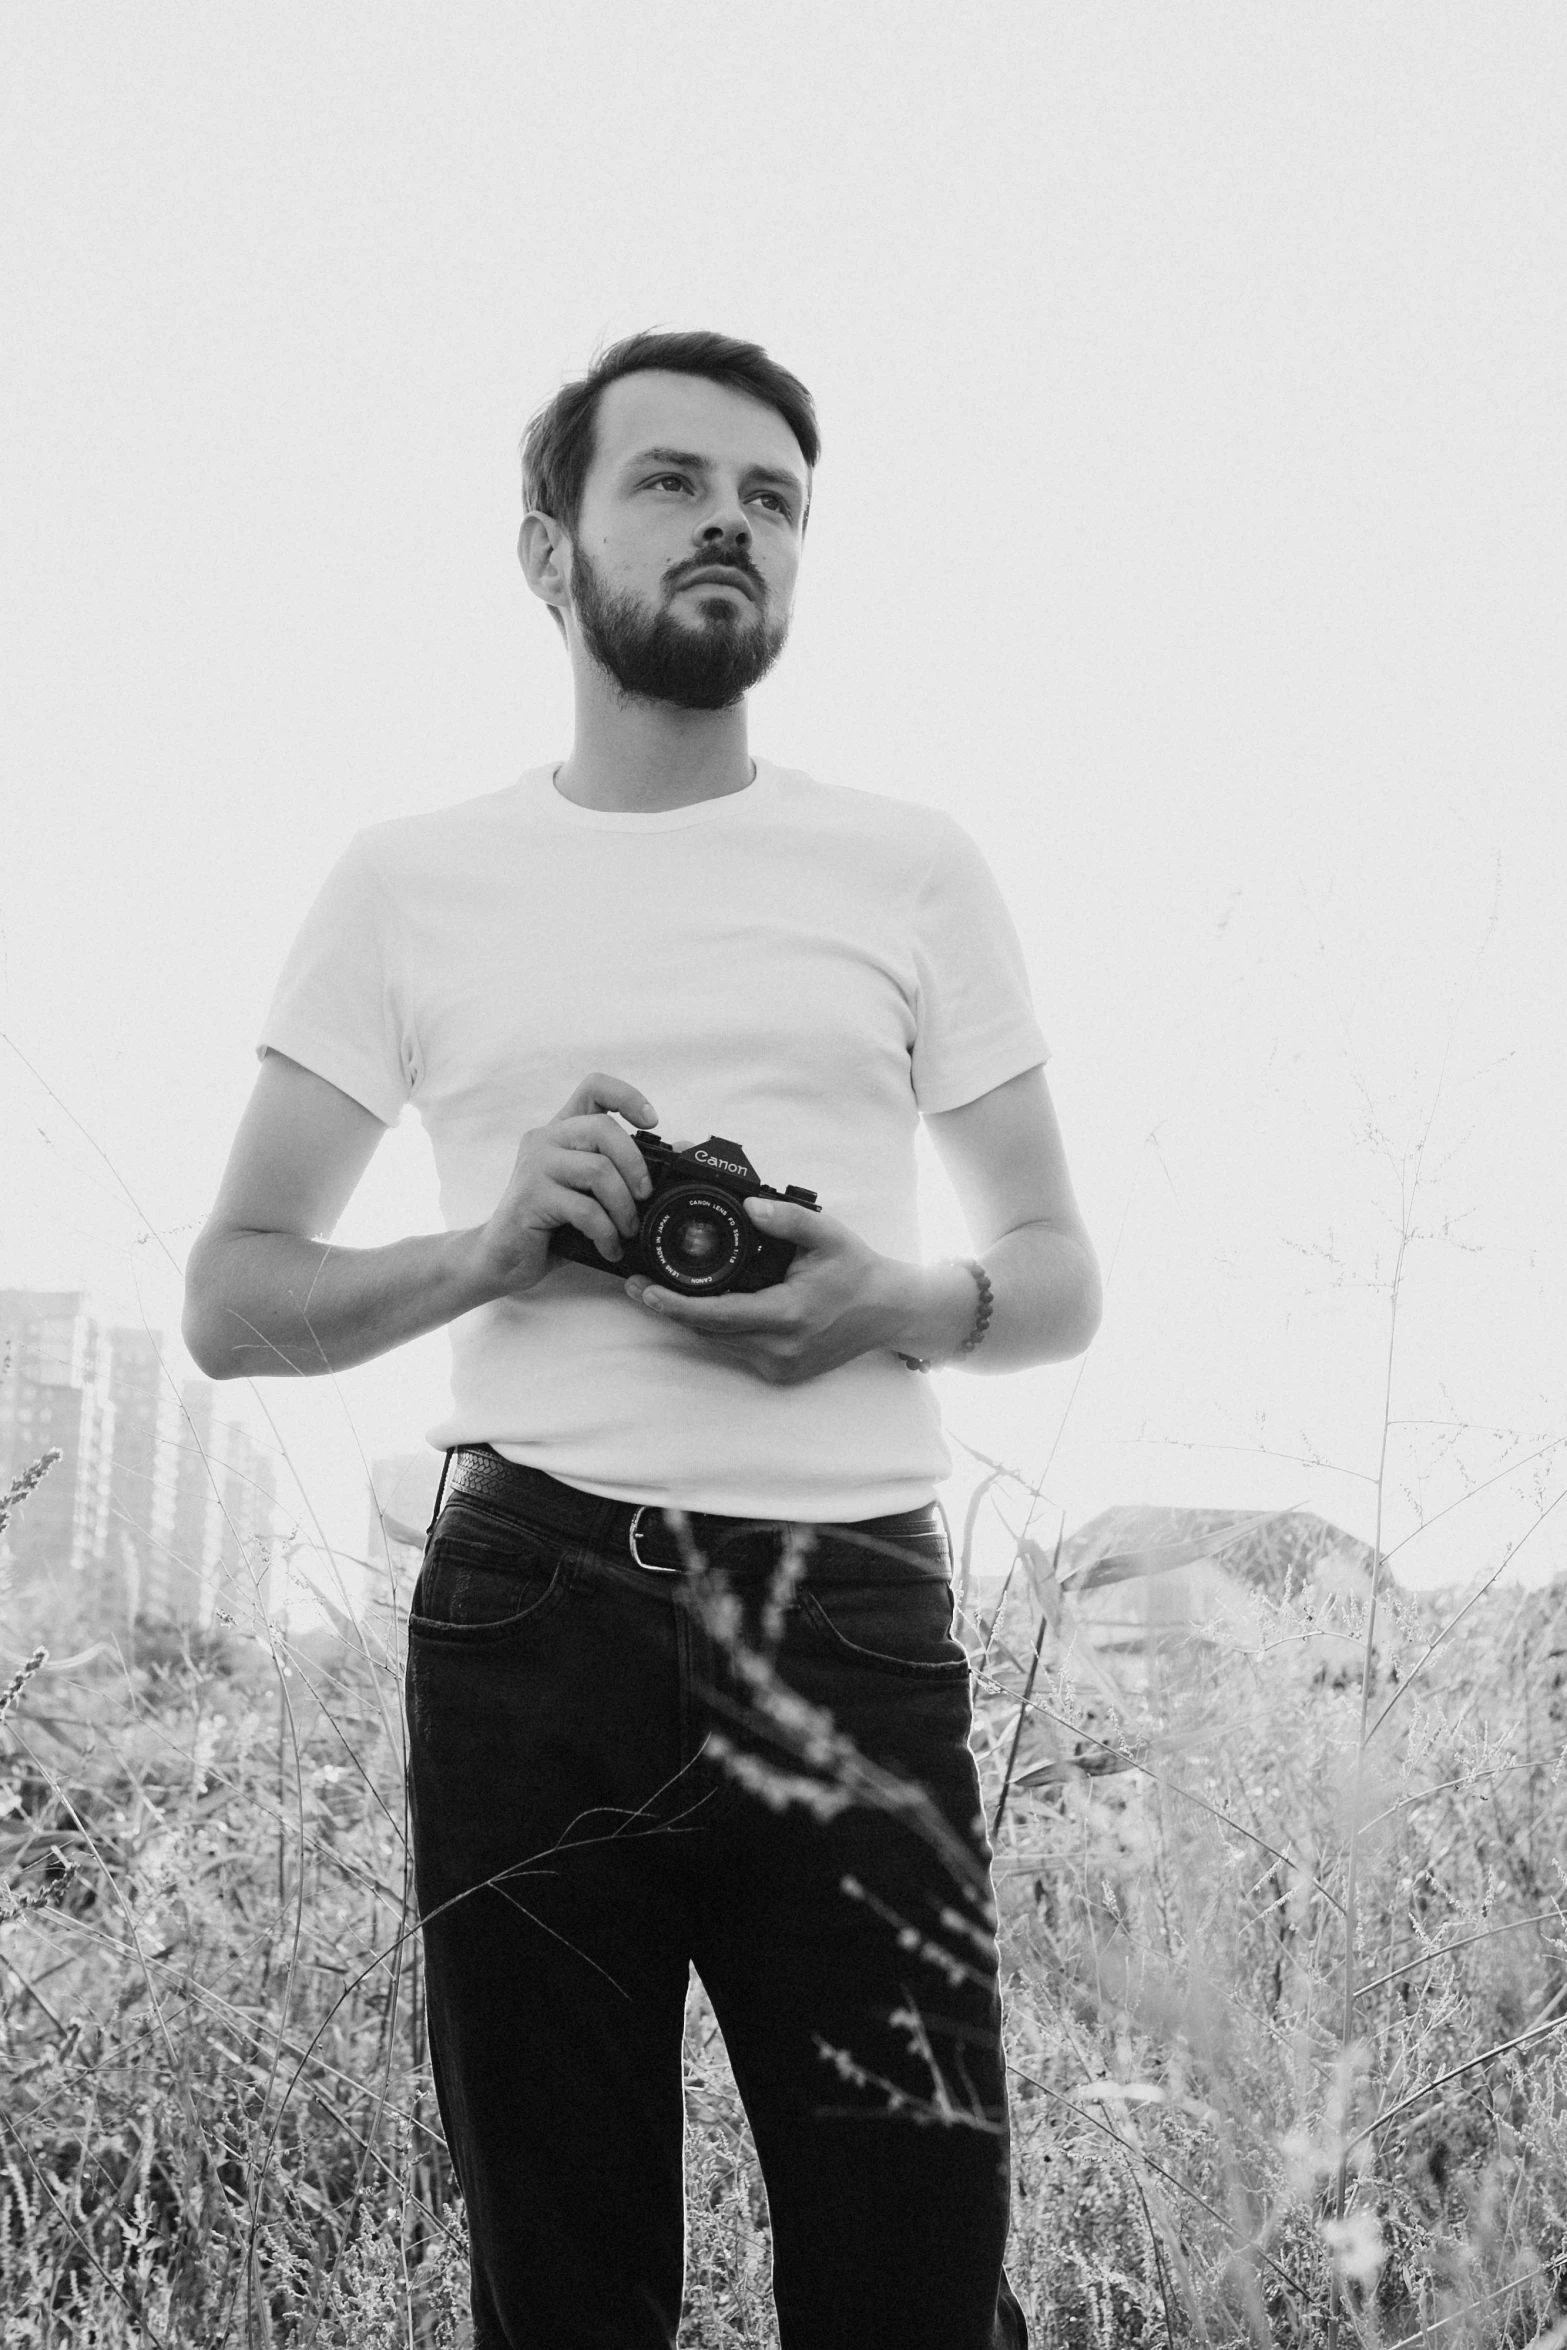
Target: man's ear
{"x": 544, "y": 551}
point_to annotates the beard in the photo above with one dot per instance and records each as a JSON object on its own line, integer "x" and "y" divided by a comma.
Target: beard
{"x": 654, "y": 657}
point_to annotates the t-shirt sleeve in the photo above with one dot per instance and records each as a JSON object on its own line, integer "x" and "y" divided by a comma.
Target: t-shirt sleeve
{"x": 974, "y": 1018}
{"x": 337, "y": 1008}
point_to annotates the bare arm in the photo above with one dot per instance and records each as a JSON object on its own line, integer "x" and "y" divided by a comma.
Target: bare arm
{"x": 267, "y": 1295}
{"x": 842, "y": 1299}
{"x": 1004, "y": 1155}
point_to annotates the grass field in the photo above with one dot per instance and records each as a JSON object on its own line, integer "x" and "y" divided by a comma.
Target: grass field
{"x": 1215, "y": 1785}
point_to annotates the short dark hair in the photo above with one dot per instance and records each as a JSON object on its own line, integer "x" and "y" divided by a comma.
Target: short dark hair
{"x": 557, "y": 448}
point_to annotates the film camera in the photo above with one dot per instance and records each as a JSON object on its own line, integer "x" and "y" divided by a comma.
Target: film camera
{"x": 695, "y": 1235}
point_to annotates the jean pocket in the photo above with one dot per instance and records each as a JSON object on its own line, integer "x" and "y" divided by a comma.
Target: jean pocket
{"x": 903, "y": 1627}
{"x": 484, "y": 1578}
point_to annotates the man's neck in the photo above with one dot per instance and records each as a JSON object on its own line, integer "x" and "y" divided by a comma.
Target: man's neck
{"x": 642, "y": 757}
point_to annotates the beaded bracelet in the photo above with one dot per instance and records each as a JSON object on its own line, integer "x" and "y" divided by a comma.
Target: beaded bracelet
{"x": 985, "y": 1306}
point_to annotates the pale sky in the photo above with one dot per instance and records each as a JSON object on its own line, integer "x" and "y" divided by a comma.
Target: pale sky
{"x": 1190, "y": 525}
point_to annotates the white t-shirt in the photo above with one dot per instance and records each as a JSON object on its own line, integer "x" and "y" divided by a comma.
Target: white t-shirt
{"x": 797, "y": 966}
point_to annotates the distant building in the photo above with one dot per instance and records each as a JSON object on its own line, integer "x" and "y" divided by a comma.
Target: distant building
{"x": 224, "y": 1523}
{"x": 198, "y": 1504}
{"x": 245, "y": 1579}
{"x": 54, "y": 1390}
{"x": 156, "y": 1509}
{"x": 143, "y": 1461}
{"x": 1140, "y": 1577}
{"x": 402, "y": 1498}
{"x": 1142, "y": 1617}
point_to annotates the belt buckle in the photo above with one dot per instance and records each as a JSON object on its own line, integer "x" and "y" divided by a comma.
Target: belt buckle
{"x": 648, "y": 1566}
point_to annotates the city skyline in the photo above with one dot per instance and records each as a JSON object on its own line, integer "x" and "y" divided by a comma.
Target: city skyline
{"x": 158, "y": 1510}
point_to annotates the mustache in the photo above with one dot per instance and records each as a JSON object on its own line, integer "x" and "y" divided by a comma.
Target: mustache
{"x": 726, "y": 558}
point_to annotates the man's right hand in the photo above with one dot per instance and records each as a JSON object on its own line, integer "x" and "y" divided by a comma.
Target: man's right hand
{"x": 581, "y": 1169}
{"x": 267, "y": 1295}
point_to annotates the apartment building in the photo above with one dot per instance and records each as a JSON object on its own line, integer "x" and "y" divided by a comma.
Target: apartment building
{"x": 157, "y": 1510}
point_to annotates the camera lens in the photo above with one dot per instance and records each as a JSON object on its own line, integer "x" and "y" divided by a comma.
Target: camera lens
{"x": 697, "y": 1239}
{"x": 696, "y": 1242}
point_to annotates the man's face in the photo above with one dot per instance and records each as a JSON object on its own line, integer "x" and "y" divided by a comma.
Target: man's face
{"x": 688, "y": 541}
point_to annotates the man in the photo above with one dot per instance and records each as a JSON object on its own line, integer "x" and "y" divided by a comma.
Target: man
{"x": 612, "y": 1781}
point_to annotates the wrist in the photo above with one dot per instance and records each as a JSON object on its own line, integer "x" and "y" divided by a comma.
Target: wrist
{"x": 934, "y": 1312}
{"x": 475, "y": 1271}
{"x": 984, "y": 1308}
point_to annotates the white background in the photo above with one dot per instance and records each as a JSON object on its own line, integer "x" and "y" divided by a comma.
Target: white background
{"x": 1190, "y": 525}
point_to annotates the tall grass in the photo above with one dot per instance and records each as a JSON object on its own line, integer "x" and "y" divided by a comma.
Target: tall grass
{"x": 217, "y": 2124}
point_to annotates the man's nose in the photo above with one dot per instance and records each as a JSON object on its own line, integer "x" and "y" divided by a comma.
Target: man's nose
{"x": 726, "y": 527}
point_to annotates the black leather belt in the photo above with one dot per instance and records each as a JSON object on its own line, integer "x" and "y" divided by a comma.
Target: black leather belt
{"x": 635, "y": 1530}
{"x": 640, "y": 1531}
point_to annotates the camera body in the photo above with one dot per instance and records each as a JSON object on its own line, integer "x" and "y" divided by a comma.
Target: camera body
{"x": 694, "y": 1235}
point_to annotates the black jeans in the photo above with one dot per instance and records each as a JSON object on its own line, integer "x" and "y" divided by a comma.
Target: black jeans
{"x": 608, "y": 1789}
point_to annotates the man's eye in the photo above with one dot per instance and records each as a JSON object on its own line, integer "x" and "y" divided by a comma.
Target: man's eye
{"x": 662, "y": 481}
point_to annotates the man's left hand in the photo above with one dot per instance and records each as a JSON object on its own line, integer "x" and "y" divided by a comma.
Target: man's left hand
{"x": 839, "y": 1299}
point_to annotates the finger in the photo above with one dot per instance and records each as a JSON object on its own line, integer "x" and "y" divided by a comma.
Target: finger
{"x": 606, "y": 1136}
{"x": 785, "y": 1219}
{"x": 762, "y": 1313}
{"x": 581, "y": 1210}
{"x": 590, "y": 1171}
{"x": 599, "y": 1092}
